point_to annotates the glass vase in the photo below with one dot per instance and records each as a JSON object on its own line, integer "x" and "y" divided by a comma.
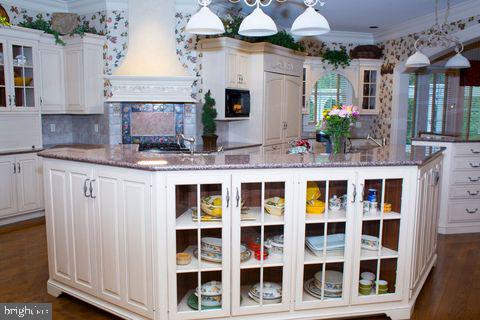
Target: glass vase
{"x": 338, "y": 143}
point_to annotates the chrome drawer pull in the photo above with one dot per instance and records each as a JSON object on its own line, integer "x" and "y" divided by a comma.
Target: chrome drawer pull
{"x": 473, "y": 193}
{"x": 471, "y": 211}
{"x": 473, "y": 179}
{"x": 474, "y": 165}
{"x": 475, "y": 152}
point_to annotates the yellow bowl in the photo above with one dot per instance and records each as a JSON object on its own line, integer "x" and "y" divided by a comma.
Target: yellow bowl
{"x": 275, "y": 206}
{"x": 313, "y": 191}
{"x": 20, "y": 80}
{"x": 209, "y": 208}
{"x": 315, "y": 207}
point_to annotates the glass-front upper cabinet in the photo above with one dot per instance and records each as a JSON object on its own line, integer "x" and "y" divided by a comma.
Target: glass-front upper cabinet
{"x": 324, "y": 239}
{"x": 17, "y": 76}
{"x": 369, "y": 86}
{"x": 262, "y": 212}
{"x": 380, "y": 238}
{"x": 198, "y": 210}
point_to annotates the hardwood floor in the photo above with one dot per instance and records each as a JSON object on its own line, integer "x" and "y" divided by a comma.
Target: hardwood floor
{"x": 451, "y": 291}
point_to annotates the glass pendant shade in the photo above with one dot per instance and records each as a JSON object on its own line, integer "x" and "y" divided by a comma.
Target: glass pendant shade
{"x": 205, "y": 22}
{"x": 418, "y": 60}
{"x": 257, "y": 24}
{"x": 310, "y": 23}
{"x": 458, "y": 61}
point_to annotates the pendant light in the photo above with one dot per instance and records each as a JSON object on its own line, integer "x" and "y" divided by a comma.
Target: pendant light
{"x": 257, "y": 23}
{"x": 438, "y": 35}
{"x": 310, "y": 23}
{"x": 205, "y": 22}
{"x": 458, "y": 61}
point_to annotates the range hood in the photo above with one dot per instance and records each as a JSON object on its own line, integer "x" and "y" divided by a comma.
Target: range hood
{"x": 151, "y": 71}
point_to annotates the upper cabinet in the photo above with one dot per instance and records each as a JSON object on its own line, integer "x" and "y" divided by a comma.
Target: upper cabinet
{"x": 18, "y": 71}
{"x": 237, "y": 69}
{"x": 37, "y": 74}
{"x": 72, "y": 76}
{"x": 363, "y": 75}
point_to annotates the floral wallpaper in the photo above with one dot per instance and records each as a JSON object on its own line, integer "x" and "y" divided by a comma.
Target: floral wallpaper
{"x": 114, "y": 25}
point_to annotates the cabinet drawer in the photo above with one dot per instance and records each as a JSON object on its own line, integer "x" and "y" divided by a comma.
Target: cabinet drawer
{"x": 465, "y": 192}
{"x": 464, "y": 211}
{"x": 470, "y": 163}
{"x": 463, "y": 177}
{"x": 470, "y": 149}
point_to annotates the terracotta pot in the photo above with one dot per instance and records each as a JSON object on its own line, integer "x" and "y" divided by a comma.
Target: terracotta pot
{"x": 210, "y": 142}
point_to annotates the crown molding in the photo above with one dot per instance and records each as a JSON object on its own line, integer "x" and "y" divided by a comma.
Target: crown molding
{"x": 463, "y": 10}
{"x": 35, "y": 5}
{"x": 344, "y": 37}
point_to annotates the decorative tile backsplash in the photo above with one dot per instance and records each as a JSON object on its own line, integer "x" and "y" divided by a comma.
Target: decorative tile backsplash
{"x": 154, "y": 122}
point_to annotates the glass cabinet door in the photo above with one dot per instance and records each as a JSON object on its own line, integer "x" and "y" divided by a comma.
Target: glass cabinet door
{"x": 261, "y": 243}
{"x": 198, "y": 212}
{"x": 23, "y": 77}
{"x": 4, "y": 95}
{"x": 369, "y": 87}
{"x": 381, "y": 239}
{"x": 324, "y": 240}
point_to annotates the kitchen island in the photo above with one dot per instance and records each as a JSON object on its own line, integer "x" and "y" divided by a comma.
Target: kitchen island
{"x": 327, "y": 236}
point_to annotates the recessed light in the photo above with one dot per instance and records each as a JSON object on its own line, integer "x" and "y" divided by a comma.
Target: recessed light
{"x": 373, "y": 27}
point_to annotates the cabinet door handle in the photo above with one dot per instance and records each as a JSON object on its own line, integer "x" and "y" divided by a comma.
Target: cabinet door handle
{"x": 473, "y": 193}
{"x": 471, "y": 211}
{"x": 228, "y": 198}
{"x": 9, "y": 100}
{"x": 19, "y": 168}
{"x": 354, "y": 192}
{"x": 85, "y": 189}
{"x": 474, "y": 179}
{"x": 14, "y": 168}
{"x": 474, "y": 165}
{"x": 436, "y": 178}
{"x": 363, "y": 190}
{"x": 238, "y": 198}
{"x": 474, "y": 151}
{"x": 91, "y": 189}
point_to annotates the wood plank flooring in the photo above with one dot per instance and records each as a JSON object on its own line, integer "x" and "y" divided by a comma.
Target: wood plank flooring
{"x": 451, "y": 292}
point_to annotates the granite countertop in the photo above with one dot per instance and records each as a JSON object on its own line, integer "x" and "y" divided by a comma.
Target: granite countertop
{"x": 227, "y": 146}
{"x": 446, "y": 139}
{"x": 10, "y": 152}
{"x": 127, "y": 156}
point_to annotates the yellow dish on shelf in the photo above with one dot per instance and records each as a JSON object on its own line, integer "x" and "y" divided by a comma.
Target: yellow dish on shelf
{"x": 315, "y": 207}
{"x": 212, "y": 205}
{"x": 313, "y": 191}
{"x": 275, "y": 206}
{"x": 20, "y": 81}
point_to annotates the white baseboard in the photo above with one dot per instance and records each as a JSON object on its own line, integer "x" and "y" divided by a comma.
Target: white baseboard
{"x": 22, "y": 217}
{"x": 459, "y": 229}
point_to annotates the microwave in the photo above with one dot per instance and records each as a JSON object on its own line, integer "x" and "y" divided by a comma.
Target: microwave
{"x": 237, "y": 103}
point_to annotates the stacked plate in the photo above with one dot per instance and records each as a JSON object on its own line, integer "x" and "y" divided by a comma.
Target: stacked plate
{"x": 211, "y": 296}
{"x": 333, "y": 286}
{"x": 271, "y": 292}
{"x": 212, "y": 250}
{"x": 335, "y": 242}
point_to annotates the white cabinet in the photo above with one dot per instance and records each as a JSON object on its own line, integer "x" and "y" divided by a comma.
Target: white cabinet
{"x": 8, "y": 197}
{"x": 369, "y": 87}
{"x": 237, "y": 69}
{"x": 52, "y": 76}
{"x": 283, "y": 94}
{"x": 21, "y": 178}
{"x": 83, "y": 66}
{"x": 99, "y": 233}
{"x": 18, "y": 71}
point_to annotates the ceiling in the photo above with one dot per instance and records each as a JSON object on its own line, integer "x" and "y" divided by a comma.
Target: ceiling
{"x": 350, "y": 15}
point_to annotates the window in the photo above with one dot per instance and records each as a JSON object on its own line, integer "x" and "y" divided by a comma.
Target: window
{"x": 412, "y": 107}
{"x": 471, "y": 113}
{"x": 332, "y": 89}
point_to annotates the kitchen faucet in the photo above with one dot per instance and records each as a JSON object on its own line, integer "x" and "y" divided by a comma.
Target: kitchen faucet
{"x": 379, "y": 143}
{"x": 191, "y": 140}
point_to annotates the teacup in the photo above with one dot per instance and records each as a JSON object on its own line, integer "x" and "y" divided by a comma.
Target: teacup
{"x": 382, "y": 285}
{"x": 365, "y": 284}
{"x": 335, "y": 203}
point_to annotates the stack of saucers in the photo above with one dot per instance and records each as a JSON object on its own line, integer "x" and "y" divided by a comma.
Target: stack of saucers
{"x": 271, "y": 293}
{"x": 212, "y": 250}
{"x": 333, "y": 286}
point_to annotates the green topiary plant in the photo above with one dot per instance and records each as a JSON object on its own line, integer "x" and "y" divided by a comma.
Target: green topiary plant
{"x": 209, "y": 114}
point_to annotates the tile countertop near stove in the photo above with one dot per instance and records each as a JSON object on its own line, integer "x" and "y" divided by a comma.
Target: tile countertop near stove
{"x": 128, "y": 156}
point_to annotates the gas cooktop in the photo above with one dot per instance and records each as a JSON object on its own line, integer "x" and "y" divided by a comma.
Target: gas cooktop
{"x": 163, "y": 147}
